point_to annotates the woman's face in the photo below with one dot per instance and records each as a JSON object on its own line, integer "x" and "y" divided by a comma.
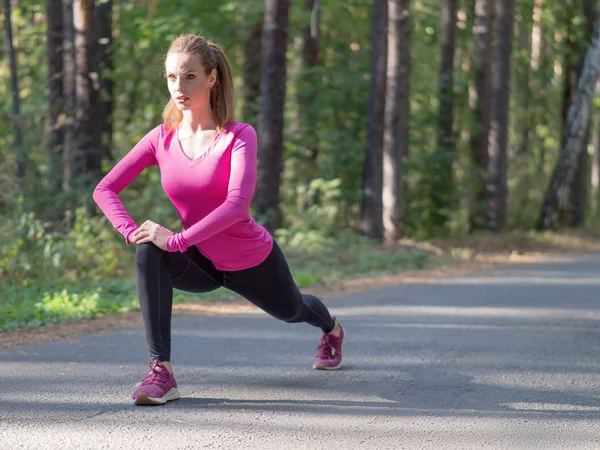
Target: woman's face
{"x": 188, "y": 83}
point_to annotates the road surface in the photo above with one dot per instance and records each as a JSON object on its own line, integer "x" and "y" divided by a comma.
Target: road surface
{"x": 506, "y": 358}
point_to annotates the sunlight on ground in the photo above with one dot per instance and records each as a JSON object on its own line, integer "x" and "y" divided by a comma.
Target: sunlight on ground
{"x": 553, "y": 379}
{"x": 513, "y": 280}
{"x": 496, "y": 327}
{"x": 469, "y": 311}
{"x": 550, "y": 407}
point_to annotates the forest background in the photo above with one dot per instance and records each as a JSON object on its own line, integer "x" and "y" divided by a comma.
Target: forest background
{"x": 391, "y": 133}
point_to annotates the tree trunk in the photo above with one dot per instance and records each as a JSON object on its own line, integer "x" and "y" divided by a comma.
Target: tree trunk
{"x": 542, "y": 37}
{"x": 397, "y": 107}
{"x": 571, "y": 68}
{"x": 70, "y": 91}
{"x": 482, "y": 70}
{"x": 104, "y": 27}
{"x": 577, "y": 121}
{"x": 308, "y": 92}
{"x": 536, "y": 34}
{"x": 498, "y": 135}
{"x": 442, "y": 190}
{"x": 272, "y": 95}
{"x": 596, "y": 160}
{"x": 87, "y": 134}
{"x": 54, "y": 39}
{"x": 524, "y": 38}
{"x": 14, "y": 87}
{"x": 524, "y": 111}
{"x": 372, "y": 209}
{"x": 573, "y": 211}
{"x": 251, "y": 89}
{"x": 578, "y": 190}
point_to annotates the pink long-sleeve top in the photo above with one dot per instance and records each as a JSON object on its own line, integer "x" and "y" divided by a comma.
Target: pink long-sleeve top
{"x": 211, "y": 194}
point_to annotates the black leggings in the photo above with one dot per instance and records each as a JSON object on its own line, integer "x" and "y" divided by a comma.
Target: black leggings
{"x": 269, "y": 286}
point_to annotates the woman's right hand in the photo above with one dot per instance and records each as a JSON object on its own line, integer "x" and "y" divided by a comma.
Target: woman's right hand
{"x": 151, "y": 232}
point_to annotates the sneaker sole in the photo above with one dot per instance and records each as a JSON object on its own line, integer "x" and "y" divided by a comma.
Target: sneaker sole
{"x": 143, "y": 398}
{"x": 320, "y": 367}
{"x": 339, "y": 366}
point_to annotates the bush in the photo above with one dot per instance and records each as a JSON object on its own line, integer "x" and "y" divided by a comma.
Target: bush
{"x": 52, "y": 275}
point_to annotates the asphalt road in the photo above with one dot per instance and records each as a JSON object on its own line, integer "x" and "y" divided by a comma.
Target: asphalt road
{"x": 500, "y": 359}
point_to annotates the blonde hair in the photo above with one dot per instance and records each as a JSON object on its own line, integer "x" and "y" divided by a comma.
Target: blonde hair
{"x": 211, "y": 56}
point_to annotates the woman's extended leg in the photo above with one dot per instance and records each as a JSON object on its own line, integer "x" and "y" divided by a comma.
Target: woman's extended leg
{"x": 271, "y": 287}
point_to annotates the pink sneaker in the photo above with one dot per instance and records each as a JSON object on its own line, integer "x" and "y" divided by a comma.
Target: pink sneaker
{"x": 329, "y": 356}
{"x": 157, "y": 388}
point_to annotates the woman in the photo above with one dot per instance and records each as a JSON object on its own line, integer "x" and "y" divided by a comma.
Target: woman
{"x": 208, "y": 171}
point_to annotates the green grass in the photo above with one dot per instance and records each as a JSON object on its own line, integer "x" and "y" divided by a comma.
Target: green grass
{"x": 37, "y": 303}
{"x": 38, "y": 300}
{"x": 525, "y": 241}
{"x": 355, "y": 261}
{"x": 39, "y": 291}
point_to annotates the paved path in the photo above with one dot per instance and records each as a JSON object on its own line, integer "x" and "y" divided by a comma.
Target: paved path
{"x": 505, "y": 359}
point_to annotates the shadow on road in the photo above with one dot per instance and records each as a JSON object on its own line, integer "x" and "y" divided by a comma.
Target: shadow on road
{"x": 516, "y": 342}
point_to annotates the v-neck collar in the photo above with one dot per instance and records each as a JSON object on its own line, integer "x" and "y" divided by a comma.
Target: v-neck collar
{"x": 203, "y": 155}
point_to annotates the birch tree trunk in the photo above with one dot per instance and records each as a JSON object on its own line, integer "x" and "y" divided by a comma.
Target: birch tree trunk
{"x": 577, "y": 120}
{"x": 595, "y": 182}
{"x": 397, "y": 107}
{"x": 578, "y": 190}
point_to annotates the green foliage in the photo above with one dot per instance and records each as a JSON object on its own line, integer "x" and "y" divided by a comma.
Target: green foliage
{"x": 336, "y": 118}
{"x": 60, "y": 261}
{"x": 333, "y": 97}
{"x": 37, "y": 304}
{"x": 52, "y": 274}
{"x": 34, "y": 249}
{"x": 321, "y": 216}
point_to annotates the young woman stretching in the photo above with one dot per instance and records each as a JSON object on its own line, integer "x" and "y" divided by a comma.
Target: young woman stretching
{"x": 208, "y": 171}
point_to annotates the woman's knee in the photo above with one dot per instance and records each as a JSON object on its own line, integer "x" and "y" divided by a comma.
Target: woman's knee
{"x": 147, "y": 253}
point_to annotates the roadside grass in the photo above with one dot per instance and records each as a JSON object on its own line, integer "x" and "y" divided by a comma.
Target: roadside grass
{"x": 485, "y": 245}
{"x": 32, "y": 301}
{"x": 39, "y": 297}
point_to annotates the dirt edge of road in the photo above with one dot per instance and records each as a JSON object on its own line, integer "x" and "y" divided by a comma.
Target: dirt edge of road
{"x": 74, "y": 329}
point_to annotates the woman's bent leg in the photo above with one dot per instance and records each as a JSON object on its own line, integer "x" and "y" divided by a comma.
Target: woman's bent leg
{"x": 157, "y": 273}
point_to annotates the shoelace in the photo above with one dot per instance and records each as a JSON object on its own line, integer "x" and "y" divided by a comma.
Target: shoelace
{"x": 326, "y": 348}
{"x": 155, "y": 376}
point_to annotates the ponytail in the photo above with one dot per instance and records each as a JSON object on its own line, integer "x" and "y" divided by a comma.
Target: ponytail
{"x": 222, "y": 102}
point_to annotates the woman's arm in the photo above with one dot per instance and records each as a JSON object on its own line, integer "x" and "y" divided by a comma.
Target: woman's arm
{"x": 242, "y": 182}
{"x": 106, "y": 194}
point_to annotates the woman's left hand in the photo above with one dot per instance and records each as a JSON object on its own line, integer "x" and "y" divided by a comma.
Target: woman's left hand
{"x": 151, "y": 232}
